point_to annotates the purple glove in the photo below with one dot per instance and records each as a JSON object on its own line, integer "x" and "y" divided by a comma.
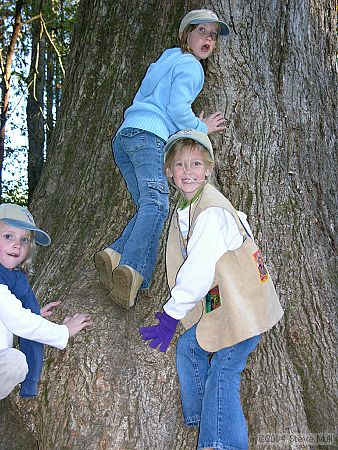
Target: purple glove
{"x": 161, "y": 333}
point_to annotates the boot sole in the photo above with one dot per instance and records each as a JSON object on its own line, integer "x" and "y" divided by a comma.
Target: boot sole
{"x": 122, "y": 282}
{"x": 104, "y": 266}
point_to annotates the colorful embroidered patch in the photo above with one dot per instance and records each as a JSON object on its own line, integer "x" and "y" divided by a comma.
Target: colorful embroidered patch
{"x": 212, "y": 300}
{"x": 262, "y": 270}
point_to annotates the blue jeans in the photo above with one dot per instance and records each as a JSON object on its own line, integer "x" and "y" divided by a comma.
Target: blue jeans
{"x": 139, "y": 156}
{"x": 210, "y": 391}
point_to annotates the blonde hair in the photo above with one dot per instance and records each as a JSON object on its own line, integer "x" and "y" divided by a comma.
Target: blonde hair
{"x": 27, "y": 264}
{"x": 183, "y": 43}
{"x": 190, "y": 145}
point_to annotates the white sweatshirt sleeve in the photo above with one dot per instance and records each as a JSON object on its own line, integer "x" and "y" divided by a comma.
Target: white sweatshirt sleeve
{"x": 215, "y": 233}
{"x": 22, "y": 322}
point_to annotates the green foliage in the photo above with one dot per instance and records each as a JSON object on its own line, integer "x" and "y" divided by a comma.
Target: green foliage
{"x": 14, "y": 185}
{"x": 15, "y": 191}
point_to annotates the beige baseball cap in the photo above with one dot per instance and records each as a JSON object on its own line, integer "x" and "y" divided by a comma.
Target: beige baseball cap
{"x": 195, "y": 135}
{"x": 202, "y": 16}
{"x": 19, "y": 217}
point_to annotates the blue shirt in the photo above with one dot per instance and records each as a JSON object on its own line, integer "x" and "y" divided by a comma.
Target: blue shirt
{"x": 162, "y": 105}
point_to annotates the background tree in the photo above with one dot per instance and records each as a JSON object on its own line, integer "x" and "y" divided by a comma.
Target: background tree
{"x": 50, "y": 38}
{"x": 275, "y": 80}
{"x": 6, "y": 59}
{"x": 35, "y": 33}
{"x": 35, "y": 100}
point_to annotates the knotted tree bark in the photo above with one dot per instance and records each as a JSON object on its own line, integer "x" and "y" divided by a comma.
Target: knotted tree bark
{"x": 275, "y": 80}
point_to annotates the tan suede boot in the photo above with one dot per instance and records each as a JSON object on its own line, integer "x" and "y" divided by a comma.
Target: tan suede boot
{"x": 105, "y": 262}
{"x": 127, "y": 282}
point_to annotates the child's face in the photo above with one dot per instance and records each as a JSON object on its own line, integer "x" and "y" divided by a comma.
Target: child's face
{"x": 14, "y": 245}
{"x": 202, "y": 40}
{"x": 189, "y": 170}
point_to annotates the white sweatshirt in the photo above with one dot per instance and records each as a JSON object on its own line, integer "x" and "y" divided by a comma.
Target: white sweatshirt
{"x": 215, "y": 233}
{"x": 15, "y": 319}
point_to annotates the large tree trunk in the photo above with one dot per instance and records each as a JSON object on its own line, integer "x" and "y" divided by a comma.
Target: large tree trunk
{"x": 275, "y": 80}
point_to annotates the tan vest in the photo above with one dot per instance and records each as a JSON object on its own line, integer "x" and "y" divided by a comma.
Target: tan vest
{"x": 244, "y": 302}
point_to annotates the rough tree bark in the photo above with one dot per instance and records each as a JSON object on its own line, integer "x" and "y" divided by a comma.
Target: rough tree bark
{"x": 275, "y": 80}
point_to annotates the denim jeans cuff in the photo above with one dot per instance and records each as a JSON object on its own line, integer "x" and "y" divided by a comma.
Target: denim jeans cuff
{"x": 218, "y": 445}
{"x": 192, "y": 421}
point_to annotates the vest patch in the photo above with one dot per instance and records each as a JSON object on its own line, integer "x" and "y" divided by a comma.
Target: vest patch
{"x": 212, "y": 300}
{"x": 262, "y": 270}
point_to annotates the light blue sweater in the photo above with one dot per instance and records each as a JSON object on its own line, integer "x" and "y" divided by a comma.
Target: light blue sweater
{"x": 162, "y": 105}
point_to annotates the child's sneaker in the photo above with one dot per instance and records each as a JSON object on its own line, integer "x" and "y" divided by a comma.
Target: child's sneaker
{"x": 127, "y": 282}
{"x": 105, "y": 262}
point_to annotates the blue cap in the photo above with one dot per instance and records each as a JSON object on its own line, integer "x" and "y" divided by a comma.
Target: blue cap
{"x": 19, "y": 217}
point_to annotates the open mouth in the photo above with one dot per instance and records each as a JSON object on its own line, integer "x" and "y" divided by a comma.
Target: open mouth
{"x": 205, "y": 48}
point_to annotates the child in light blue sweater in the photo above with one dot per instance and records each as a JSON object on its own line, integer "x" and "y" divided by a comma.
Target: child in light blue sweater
{"x": 161, "y": 107}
